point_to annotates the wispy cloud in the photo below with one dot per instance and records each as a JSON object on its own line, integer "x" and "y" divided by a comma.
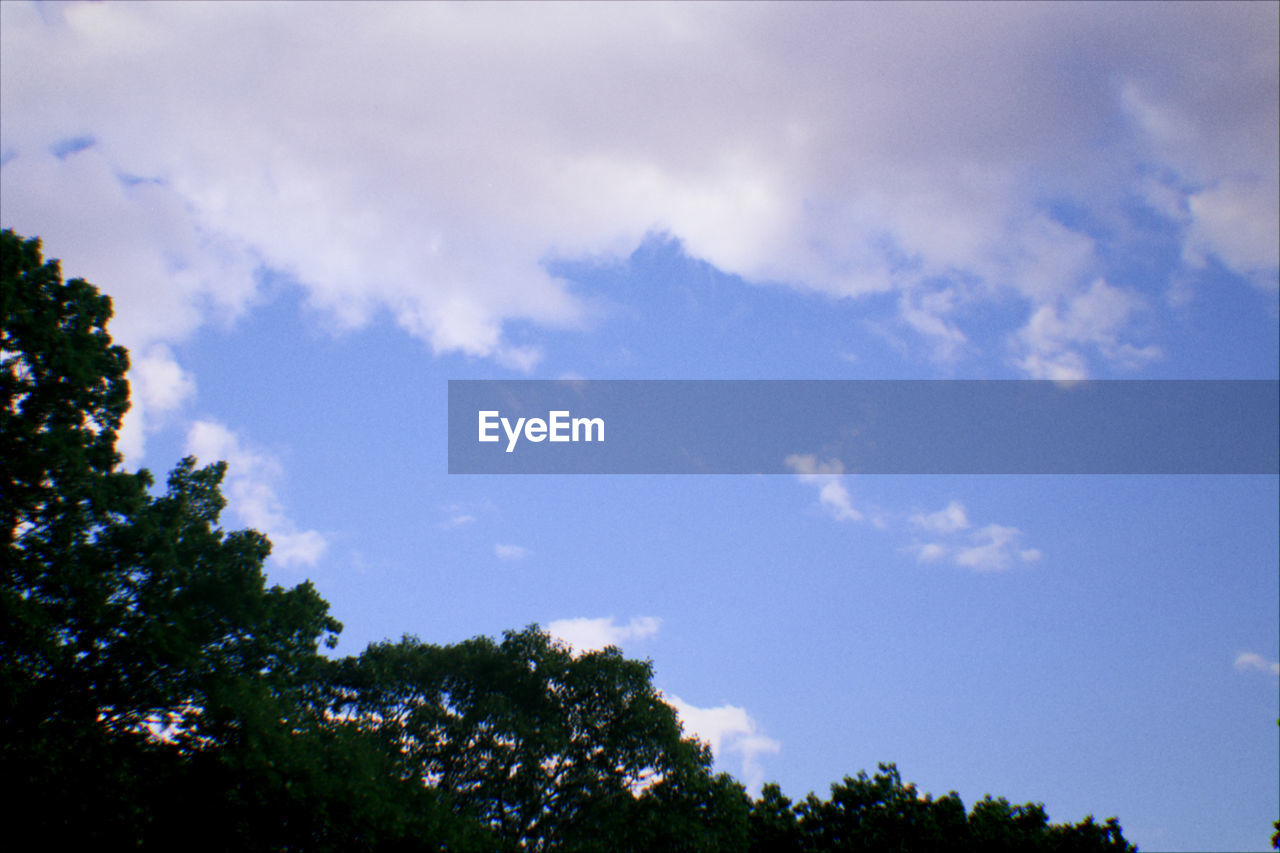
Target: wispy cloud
{"x": 585, "y": 634}
{"x": 993, "y": 548}
{"x": 990, "y": 548}
{"x": 1254, "y": 662}
{"x": 946, "y": 520}
{"x": 250, "y": 489}
{"x": 456, "y": 515}
{"x": 1057, "y": 338}
{"x": 511, "y": 552}
{"x": 833, "y": 495}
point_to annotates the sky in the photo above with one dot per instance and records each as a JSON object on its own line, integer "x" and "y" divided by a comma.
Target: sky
{"x": 310, "y": 217}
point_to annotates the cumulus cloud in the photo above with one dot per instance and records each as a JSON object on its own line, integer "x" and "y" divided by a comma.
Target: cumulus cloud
{"x": 730, "y": 732}
{"x": 250, "y": 490}
{"x": 1254, "y": 662}
{"x": 510, "y": 552}
{"x": 586, "y": 635}
{"x": 826, "y": 477}
{"x": 430, "y": 166}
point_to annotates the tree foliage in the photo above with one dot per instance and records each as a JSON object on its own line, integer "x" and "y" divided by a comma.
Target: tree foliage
{"x": 155, "y": 692}
{"x": 543, "y": 748}
{"x": 882, "y": 813}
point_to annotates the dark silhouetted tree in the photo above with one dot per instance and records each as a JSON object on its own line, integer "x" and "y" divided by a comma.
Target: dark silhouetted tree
{"x": 150, "y": 682}
{"x": 547, "y": 749}
{"x": 882, "y": 813}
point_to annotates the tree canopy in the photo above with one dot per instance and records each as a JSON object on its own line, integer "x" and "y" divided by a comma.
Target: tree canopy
{"x": 156, "y": 692}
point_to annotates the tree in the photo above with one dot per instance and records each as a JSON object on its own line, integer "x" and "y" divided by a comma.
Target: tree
{"x": 882, "y": 813}
{"x": 773, "y": 822}
{"x": 546, "y": 749}
{"x": 136, "y": 637}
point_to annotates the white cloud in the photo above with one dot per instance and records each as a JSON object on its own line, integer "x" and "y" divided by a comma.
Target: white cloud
{"x": 431, "y": 164}
{"x": 158, "y": 387}
{"x": 807, "y": 465}
{"x": 158, "y": 381}
{"x": 586, "y": 635}
{"x": 1219, "y": 155}
{"x": 833, "y": 495}
{"x": 1246, "y": 661}
{"x": 947, "y": 520}
{"x": 1093, "y": 319}
{"x": 993, "y": 547}
{"x": 250, "y": 491}
{"x": 1237, "y": 223}
{"x": 931, "y": 552}
{"x": 826, "y": 476}
{"x": 510, "y": 552}
{"x": 927, "y": 314}
{"x": 992, "y": 550}
{"x": 730, "y": 731}
{"x": 458, "y": 515}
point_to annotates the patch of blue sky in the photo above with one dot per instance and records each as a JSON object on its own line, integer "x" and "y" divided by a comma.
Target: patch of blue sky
{"x": 64, "y": 148}
{"x": 667, "y": 315}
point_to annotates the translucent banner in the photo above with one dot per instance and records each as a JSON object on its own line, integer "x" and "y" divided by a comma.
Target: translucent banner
{"x": 863, "y": 427}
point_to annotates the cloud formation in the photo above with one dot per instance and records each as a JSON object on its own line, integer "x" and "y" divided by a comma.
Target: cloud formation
{"x": 994, "y": 548}
{"x": 990, "y": 548}
{"x": 1252, "y": 661}
{"x": 158, "y": 388}
{"x": 946, "y": 520}
{"x": 250, "y": 490}
{"x": 426, "y": 159}
{"x": 586, "y": 635}
{"x": 510, "y": 552}
{"x": 730, "y": 731}
{"x": 827, "y": 477}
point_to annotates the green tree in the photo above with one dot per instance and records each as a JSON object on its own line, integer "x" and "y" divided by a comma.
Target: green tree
{"x": 882, "y": 813}
{"x": 141, "y": 654}
{"x": 546, "y": 749}
{"x": 774, "y": 827}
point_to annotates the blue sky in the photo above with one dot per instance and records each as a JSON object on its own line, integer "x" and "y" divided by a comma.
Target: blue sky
{"x": 311, "y": 217}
